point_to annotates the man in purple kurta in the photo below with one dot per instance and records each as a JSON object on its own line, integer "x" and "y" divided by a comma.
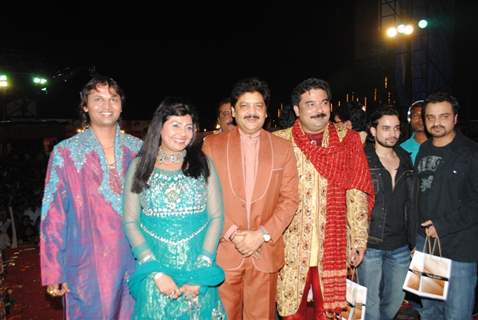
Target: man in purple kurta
{"x": 84, "y": 253}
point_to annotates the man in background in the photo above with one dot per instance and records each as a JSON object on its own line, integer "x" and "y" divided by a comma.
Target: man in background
{"x": 412, "y": 144}
{"x": 224, "y": 116}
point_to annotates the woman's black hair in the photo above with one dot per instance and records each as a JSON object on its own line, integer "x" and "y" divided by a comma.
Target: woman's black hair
{"x": 195, "y": 162}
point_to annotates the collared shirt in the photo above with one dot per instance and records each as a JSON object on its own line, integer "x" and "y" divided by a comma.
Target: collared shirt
{"x": 250, "y": 153}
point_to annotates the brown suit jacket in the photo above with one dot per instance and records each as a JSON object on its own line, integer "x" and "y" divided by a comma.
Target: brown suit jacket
{"x": 274, "y": 200}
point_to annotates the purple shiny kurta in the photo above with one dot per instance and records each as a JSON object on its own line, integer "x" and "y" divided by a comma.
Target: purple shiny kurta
{"x": 82, "y": 240}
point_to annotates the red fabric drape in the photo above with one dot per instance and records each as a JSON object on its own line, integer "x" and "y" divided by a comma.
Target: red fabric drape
{"x": 344, "y": 165}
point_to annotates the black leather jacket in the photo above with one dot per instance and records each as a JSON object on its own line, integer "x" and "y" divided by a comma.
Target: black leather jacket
{"x": 406, "y": 188}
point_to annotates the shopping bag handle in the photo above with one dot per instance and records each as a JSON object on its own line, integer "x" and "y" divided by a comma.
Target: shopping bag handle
{"x": 354, "y": 274}
{"x": 431, "y": 248}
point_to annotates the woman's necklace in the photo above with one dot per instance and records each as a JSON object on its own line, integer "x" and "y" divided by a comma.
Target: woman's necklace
{"x": 171, "y": 157}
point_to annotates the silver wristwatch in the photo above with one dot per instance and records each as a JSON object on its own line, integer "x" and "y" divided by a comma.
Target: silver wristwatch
{"x": 265, "y": 234}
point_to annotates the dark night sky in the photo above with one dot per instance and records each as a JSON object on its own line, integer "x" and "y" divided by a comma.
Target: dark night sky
{"x": 188, "y": 50}
{"x": 197, "y": 54}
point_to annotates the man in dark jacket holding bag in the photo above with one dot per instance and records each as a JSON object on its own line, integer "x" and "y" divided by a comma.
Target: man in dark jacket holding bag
{"x": 447, "y": 167}
{"x": 393, "y": 224}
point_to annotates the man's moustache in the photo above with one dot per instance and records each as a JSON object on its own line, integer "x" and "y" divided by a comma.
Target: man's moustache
{"x": 319, "y": 115}
{"x": 253, "y": 116}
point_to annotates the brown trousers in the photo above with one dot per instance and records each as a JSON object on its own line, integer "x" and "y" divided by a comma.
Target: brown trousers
{"x": 249, "y": 294}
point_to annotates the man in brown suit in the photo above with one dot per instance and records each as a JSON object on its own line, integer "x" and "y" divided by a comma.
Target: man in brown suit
{"x": 259, "y": 180}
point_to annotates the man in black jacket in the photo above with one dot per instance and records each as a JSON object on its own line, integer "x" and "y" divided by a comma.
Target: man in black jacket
{"x": 393, "y": 225}
{"x": 447, "y": 167}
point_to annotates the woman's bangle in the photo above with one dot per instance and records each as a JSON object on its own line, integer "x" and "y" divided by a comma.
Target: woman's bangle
{"x": 157, "y": 275}
{"x": 204, "y": 261}
{"x": 146, "y": 258}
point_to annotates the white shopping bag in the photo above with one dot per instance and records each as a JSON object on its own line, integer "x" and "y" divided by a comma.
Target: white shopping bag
{"x": 356, "y": 296}
{"x": 428, "y": 274}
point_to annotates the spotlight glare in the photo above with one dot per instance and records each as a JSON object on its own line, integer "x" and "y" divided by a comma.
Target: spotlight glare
{"x": 3, "y": 81}
{"x": 391, "y": 32}
{"x": 422, "y": 24}
{"x": 401, "y": 28}
{"x": 408, "y": 29}
{"x": 39, "y": 81}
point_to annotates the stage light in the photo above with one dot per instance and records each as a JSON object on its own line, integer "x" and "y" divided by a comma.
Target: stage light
{"x": 391, "y": 32}
{"x": 401, "y": 28}
{"x": 408, "y": 29}
{"x": 3, "y": 81}
{"x": 422, "y": 24}
{"x": 39, "y": 81}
